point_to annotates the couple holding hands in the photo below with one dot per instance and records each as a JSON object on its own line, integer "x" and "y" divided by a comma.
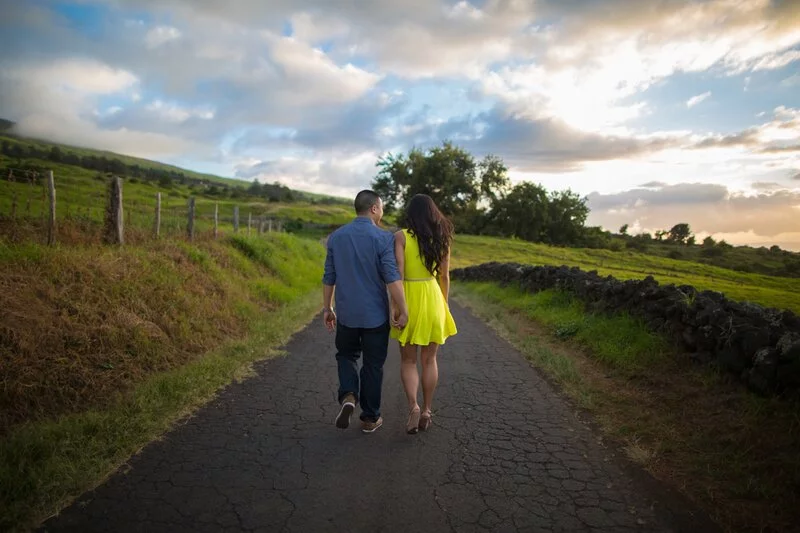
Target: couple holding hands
{"x": 362, "y": 262}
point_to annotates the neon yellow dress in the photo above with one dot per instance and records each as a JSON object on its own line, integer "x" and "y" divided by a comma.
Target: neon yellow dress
{"x": 429, "y": 318}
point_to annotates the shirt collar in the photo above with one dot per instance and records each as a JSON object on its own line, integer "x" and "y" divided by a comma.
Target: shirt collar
{"x": 363, "y": 220}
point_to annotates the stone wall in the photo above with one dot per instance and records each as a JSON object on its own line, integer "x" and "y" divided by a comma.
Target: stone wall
{"x": 761, "y": 346}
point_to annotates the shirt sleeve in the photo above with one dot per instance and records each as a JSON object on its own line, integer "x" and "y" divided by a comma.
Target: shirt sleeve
{"x": 329, "y": 276}
{"x": 388, "y": 263}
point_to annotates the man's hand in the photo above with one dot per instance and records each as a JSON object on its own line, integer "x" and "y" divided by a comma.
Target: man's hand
{"x": 329, "y": 318}
{"x": 399, "y": 317}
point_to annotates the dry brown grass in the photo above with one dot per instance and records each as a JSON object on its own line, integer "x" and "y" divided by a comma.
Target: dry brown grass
{"x": 82, "y": 323}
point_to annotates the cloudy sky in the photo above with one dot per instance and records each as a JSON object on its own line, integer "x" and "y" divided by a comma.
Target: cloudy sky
{"x": 659, "y": 111}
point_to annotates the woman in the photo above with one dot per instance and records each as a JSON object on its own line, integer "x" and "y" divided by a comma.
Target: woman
{"x": 423, "y": 255}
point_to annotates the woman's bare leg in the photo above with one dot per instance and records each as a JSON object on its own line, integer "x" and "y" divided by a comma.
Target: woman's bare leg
{"x": 409, "y": 375}
{"x": 430, "y": 375}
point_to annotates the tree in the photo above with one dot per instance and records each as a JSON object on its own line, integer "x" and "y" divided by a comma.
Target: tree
{"x": 680, "y": 233}
{"x": 493, "y": 175}
{"x": 446, "y": 173}
{"x": 55, "y": 154}
{"x": 623, "y": 230}
{"x": 709, "y": 242}
{"x": 660, "y": 235}
{"x": 255, "y": 188}
{"x": 523, "y": 212}
{"x": 691, "y": 241}
{"x": 566, "y": 215}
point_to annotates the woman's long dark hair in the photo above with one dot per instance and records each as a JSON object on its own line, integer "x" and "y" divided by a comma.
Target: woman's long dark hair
{"x": 433, "y": 230}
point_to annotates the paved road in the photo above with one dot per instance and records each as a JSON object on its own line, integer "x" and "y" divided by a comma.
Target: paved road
{"x": 506, "y": 453}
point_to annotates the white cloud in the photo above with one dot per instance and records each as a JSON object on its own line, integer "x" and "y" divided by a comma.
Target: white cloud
{"x": 160, "y": 35}
{"x": 85, "y": 76}
{"x": 307, "y": 68}
{"x": 694, "y": 100}
{"x": 335, "y": 174}
{"x": 767, "y": 215}
{"x": 555, "y": 87}
{"x": 177, "y": 113}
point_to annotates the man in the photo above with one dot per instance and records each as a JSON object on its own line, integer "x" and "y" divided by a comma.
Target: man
{"x": 360, "y": 264}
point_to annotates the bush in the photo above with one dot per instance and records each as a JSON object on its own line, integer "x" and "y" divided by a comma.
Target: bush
{"x": 712, "y": 252}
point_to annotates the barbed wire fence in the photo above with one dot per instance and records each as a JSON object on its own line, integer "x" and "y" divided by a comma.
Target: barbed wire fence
{"x": 113, "y": 218}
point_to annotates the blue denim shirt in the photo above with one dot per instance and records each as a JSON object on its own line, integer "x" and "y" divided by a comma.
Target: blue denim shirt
{"x": 360, "y": 262}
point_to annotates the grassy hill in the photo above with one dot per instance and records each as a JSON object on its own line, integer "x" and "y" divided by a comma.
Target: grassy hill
{"x": 81, "y": 193}
{"x": 770, "y": 291}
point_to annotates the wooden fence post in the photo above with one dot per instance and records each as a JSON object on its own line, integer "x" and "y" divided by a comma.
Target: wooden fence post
{"x": 236, "y": 219}
{"x": 190, "y": 223}
{"x": 260, "y": 225}
{"x": 114, "y": 216}
{"x": 158, "y": 215}
{"x": 44, "y": 200}
{"x": 270, "y": 225}
{"x": 51, "y": 226}
{"x": 216, "y": 219}
{"x": 249, "y": 222}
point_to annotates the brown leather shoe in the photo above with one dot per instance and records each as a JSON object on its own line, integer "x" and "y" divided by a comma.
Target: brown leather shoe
{"x": 368, "y": 426}
{"x": 348, "y": 406}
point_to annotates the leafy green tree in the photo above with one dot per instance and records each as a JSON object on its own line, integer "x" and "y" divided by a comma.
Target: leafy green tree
{"x": 447, "y": 173}
{"x": 623, "y": 230}
{"x": 709, "y": 242}
{"x": 255, "y": 188}
{"x": 679, "y": 233}
{"x": 523, "y": 213}
{"x": 566, "y": 216}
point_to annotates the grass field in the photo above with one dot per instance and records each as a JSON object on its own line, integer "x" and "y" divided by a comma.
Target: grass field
{"x": 102, "y": 348}
{"x": 82, "y": 195}
{"x": 770, "y": 291}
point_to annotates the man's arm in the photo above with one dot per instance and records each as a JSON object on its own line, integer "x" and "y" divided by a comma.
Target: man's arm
{"x": 394, "y": 282}
{"x": 398, "y": 295}
{"x": 328, "y": 284}
{"x": 328, "y": 315}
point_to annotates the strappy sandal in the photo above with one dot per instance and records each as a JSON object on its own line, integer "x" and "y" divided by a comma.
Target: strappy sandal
{"x": 413, "y": 424}
{"x": 425, "y": 421}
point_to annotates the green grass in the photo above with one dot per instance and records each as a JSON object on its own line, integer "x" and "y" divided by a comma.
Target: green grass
{"x": 619, "y": 341}
{"x": 82, "y": 194}
{"x": 770, "y": 291}
{"x": 79, "y": 195}
{"x": 105, "y": 347}
{"x": 46, "y": 464}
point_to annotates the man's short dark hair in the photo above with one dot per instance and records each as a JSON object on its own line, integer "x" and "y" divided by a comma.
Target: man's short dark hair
{"x": 365, "y": 200}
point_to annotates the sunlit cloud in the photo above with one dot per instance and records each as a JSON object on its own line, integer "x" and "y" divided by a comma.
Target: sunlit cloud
{"x": 601, "y": 97}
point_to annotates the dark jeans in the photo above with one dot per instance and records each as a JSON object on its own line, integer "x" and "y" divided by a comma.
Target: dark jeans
{"x": 350, "y": 344}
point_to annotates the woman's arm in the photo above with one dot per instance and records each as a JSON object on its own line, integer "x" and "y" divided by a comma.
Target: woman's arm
{"x": 399, "y": 252}
{"x": 400, "y": 259}
{"x": 444, "y": 276}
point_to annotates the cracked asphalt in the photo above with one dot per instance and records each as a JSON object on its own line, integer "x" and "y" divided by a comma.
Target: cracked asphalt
{"x": 506, "y": 453}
